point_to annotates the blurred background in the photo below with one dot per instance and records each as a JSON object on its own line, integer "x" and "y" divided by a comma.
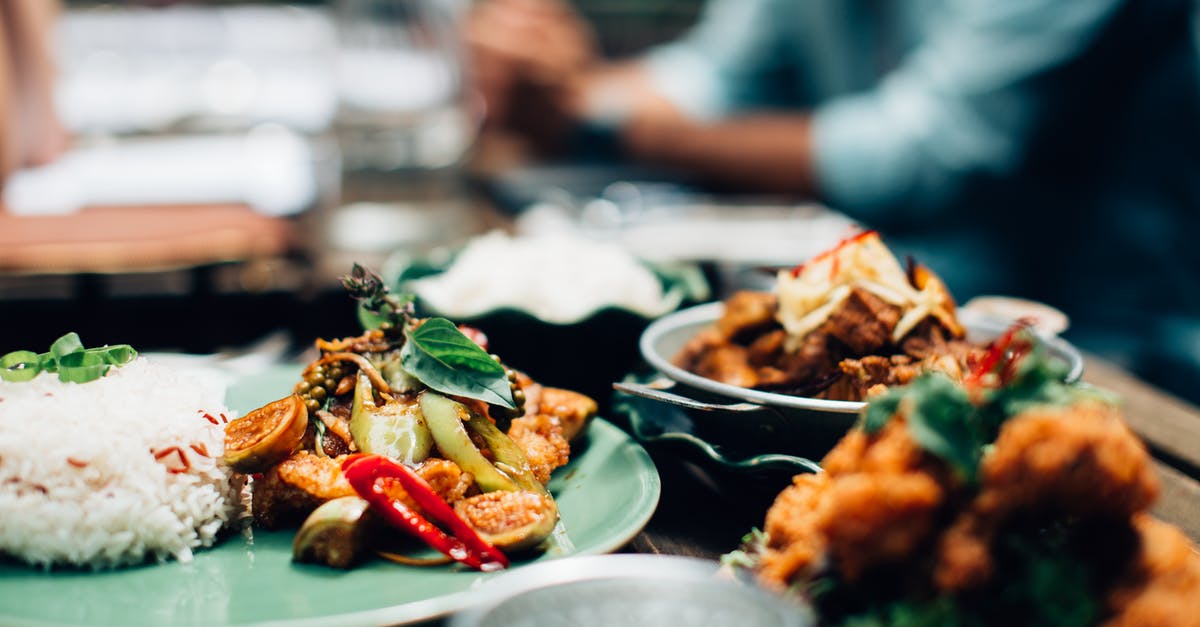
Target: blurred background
{"x": 216, "y": 166}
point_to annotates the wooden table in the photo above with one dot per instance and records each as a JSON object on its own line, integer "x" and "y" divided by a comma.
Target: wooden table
{"x": 705, "y": 515}
{"x": 139, "y": 239}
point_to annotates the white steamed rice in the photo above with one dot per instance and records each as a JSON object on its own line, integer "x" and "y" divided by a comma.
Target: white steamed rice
{"x": 79, "y": 483}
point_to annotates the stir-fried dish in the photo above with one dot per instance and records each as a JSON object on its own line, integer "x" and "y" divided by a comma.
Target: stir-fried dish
{"x": 847, "y": 323}
{"x": 410, "y": 427}
{"x": 1010, "y": 499}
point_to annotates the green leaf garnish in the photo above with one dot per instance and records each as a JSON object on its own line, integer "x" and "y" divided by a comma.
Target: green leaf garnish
{"x": 942, "y": 421}
{"x": 947, "y": 422}
{"x": 68, "y": 357}
{"x": 879, "y": 411}
{"x": 440, "y": 356}
{"x": 748, "y": 555}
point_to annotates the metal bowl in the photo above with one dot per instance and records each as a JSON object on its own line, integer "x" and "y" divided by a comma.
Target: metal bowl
{"x": 793, "y": 424}
{"x": 628, "y": 590}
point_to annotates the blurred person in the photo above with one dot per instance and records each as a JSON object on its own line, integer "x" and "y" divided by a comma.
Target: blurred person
{"x": 1048, "y": 149}
{"x": 30, "y": 132}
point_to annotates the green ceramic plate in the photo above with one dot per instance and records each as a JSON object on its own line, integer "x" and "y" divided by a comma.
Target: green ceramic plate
{"x": 606, "y": 495}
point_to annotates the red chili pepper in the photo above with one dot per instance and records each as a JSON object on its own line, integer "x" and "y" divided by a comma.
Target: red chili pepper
{"x": 1003, "y": 354}
{"x": 857, "y": 237}
{"x": 363, "y": 473}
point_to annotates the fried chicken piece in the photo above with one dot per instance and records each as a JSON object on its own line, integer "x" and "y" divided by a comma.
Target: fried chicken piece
{"x": 572, "y": 409}
{"x": 795, "y": 545}
{"x": 876, "y": 503}
{"x": 1162, "y": 587}
{"x": 879, "y": 518}
{"x": 1080, "y": 461}
{"x": 445, "y": 477}
{"x": 884, "y": 500}
{"x": 293, "y": 488}
{"x": 540, "y": 436}
{"x": 891, "y": 450}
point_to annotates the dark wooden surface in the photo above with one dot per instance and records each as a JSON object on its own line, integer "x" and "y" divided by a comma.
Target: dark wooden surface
{"x": 704, "y": 513}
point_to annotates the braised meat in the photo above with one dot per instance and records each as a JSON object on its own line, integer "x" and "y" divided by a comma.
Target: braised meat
{"x": 863, "y": 323}
{"x": 746, "y": 314}
{"x": 847, "y": 323}
{"x": 848, "y": 357}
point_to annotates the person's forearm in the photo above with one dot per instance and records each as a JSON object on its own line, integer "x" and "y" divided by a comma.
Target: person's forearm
{"x": 33, "y": 134}
{"x": 758, "y": 153}
{"x": 769, "y": 153}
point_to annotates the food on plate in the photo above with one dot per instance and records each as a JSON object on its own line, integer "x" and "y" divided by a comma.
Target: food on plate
{"x": 410, "y": 428}
{"x": 841, "y": 326}
{"x": 1009, "y": 499}
{"x": 558, "y": 279}
{"x": 108, "y": 459}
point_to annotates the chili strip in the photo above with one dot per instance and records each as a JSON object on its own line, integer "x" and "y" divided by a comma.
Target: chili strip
{"x": 363, "y": 473}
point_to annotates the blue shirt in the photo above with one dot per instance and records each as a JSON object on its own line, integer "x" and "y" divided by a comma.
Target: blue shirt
{"x": 912, "y": 99}
{"x": 1041, "y": 148}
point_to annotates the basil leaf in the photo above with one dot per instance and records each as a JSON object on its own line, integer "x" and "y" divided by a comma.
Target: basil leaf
{"x": 942, "y": 420}
{"x": 441, "y": 357}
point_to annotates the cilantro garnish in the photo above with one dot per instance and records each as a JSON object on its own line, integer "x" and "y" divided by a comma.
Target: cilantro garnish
{"x": 957, "y": 423}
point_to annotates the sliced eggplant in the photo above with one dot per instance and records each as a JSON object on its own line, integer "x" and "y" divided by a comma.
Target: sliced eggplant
{"x": 266, "y": 436}
{"x": 510, "y": 521}
{"x": 335, "y": 534}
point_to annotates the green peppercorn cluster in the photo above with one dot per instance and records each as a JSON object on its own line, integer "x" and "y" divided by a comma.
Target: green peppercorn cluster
{"x": 518, "y": 394}
{"x": 319, "y": 383}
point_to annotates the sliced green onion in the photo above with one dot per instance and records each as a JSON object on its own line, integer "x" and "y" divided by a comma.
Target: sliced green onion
{"x": 19, "y": 366}
{"x": 65, "y": 345}
{"x": 67, "y": 357}
{"x": 47, "y": 362}
{"x": 81, "y": 367}
{"x": 118, "y": 355}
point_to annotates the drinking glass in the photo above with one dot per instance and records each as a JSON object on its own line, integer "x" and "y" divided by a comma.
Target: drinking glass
{"x": 402, "y": 101}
